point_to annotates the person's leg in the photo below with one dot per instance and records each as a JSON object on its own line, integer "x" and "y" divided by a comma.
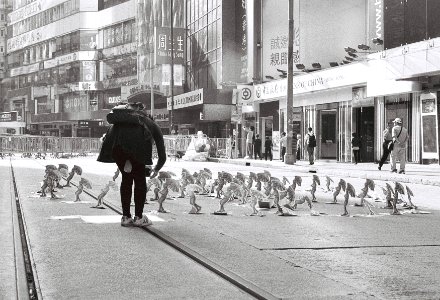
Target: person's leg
{"x": 310, "y": 152}
{"x": 385, "y": 154}
{"x": 140, "y": 188}
{"x": 298, "y": 154}
{"x": 283, "y": 152}
{"x": 126, "y": 183}
{"x": 356, "y": 156}
{"x": 393, "y": 160}
{"x": 402, "y": 158}
{"x": 265, "y": 154}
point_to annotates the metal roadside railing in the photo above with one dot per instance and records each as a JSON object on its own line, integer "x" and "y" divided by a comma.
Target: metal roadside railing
{"x": 175, "y": 145}
{"x": 43, "y": 145}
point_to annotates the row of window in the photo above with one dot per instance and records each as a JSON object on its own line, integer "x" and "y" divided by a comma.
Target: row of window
{"x": 122, "y": 33}
{"x": 48, "y": 16}
{"x": 119, "y": 67}
{"x": 76, "y": 41}
{"x": 16, "y": 4}
{"x": 77, "y": 71}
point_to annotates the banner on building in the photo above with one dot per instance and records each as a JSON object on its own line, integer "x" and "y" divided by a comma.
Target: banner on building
{"x": 178, "y": 75}
{"x": 429, "y": 126}
{"x": 186, "y": 100}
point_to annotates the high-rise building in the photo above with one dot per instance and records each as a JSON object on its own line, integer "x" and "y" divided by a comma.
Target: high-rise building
{"x": 5, "y": 8}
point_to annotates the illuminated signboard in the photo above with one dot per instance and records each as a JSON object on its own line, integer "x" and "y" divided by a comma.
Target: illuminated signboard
{"x": 163, "y": 45}
{"x": 10, "y": 116}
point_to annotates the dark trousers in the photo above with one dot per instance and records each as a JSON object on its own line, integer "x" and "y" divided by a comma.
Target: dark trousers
{"x": 298, "y": 154}
{"x": 267, "y": 152}
{"x": 283, "y": 152}
{"x": 385, "y": 154}
{"x": 137, "y": 175}
{"x": 257, "y": 152}
{"x": 356, "y": 154}
{"x": 311, "y": 151}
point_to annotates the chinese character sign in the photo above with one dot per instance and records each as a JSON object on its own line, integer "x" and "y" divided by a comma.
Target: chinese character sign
{"x": 164, "y": 46}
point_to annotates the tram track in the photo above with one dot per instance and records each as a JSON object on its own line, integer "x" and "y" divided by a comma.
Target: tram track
{"x": 31, "y": 285}
{"x": 231, "y": 277}
{"x": 224, "y": 273}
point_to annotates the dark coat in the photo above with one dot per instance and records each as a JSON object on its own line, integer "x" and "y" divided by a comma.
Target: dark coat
{"x": 257, "y": 144}
{"x": 356, "y": 142}
{"x": 133, "y": 132}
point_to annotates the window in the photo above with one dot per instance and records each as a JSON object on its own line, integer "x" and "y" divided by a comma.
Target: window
{"x": 1, "y": 49}
{"x": 2, "y": 32}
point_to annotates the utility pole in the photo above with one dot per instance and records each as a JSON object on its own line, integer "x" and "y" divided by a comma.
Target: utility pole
{"x": 151, "y": 86}
{"x": 289, "y": 158}
{"x": 172, "y": 69}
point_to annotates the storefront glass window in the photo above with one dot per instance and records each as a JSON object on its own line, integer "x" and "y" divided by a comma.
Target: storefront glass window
{"x": 44, "y": 105}
{"x": 120, "y": 67}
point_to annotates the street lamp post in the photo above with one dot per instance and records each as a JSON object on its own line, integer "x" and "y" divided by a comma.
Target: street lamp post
{"x": 289, "y": 158}
{"x": 172, "y": 69}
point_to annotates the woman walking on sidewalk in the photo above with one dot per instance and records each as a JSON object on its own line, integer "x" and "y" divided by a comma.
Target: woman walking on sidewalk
{"x": 356, "y": 145}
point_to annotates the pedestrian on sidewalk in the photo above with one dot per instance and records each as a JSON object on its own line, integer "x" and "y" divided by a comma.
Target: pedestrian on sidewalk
{"x": 268, "y": 148}
{"x": 400, "y": 139}
{"x": 257, "y": 147}
{"x": 283, "y": 141}
{"x": 129, "y": 143}
{"x": 310, "y": 143}
{"x": 387, "y": 139}
{"x": 298, "y": 146}
{"x": 356, "y": 145}
{"x": 249, "y": 140}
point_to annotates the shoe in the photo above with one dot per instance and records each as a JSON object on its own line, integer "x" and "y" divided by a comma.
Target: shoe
{"x": 394, "y": 171}
{"x": 142, "y": 222}
{"x": 379, "y": 168}
{"x": 126, "y": 221}
{"x": 402, "y": 172}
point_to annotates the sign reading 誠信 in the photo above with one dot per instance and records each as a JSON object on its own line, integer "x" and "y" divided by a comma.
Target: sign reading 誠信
{"x": 186, "y": 100}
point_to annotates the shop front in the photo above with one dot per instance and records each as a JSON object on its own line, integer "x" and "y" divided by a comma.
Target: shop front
{"x": 322, "y": 100}
{"x": 201, "y": 110}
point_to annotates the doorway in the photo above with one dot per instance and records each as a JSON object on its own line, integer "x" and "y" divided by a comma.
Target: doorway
{"x": 327, "y": 134}
{"x": 364, "y": 127}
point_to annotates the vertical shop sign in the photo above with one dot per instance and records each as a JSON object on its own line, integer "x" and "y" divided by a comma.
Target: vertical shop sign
{"x": 429, "y": 126}
{"x": 376, "y": 18}
{"x": 163, "y": 45}
{"x": 241, "y": 38}
{"x": 89, "y": 71}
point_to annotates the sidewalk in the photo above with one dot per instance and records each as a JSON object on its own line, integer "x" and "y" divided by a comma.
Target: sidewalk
{"x": 415, "y": 173}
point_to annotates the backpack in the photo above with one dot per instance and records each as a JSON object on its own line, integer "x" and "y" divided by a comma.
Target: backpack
{"x": 312, "y": 141}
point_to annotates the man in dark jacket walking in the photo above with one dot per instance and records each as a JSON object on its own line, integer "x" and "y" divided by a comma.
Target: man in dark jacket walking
{"x": 257, "y": 147}
{"x": 129, "y": 143}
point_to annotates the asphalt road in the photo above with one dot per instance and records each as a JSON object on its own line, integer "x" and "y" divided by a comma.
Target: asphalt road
{"x": 299, "y": 257}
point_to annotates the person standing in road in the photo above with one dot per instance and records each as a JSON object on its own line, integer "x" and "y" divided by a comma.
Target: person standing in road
{"x": 257, "y": 147}
{"x": 298, "y": 146}
{"x": 387, "y": 138}
{"x": 400, "y": 139}
{"x": 310, "y": 143}
{"x": 268, "y": 148}
{"x": 249, "y": 140}
{"x": 283, "y": 141}
{"x": 129, "y": 143}
{"x": 356, "y": 145}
